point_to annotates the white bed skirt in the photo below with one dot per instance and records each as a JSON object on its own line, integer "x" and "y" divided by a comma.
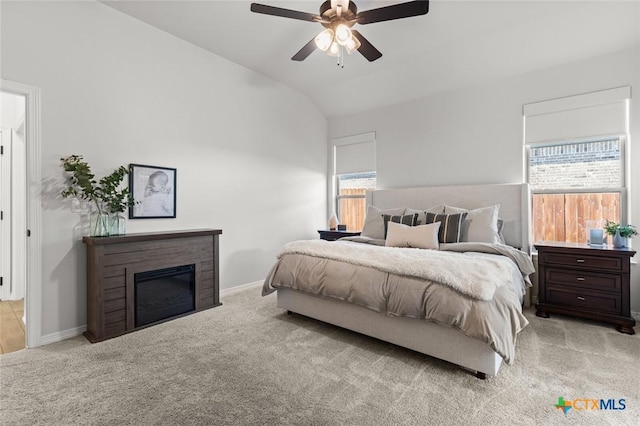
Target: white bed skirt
{"x": 426, "y": 337}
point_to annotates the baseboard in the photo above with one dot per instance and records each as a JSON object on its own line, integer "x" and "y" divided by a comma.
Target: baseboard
{"x": 62, "y": 335}
{"x": 77, "y": 331}
{"x": 228, "y": 291}
{"x": 636, "y": 316}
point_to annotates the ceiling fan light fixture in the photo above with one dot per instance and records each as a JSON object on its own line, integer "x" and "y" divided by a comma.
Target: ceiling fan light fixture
{"x": 352, "y": 45}
{"x": 338, "y": 17}
{"x": 334, "y": 50}
{"x": 324, "y": 39}
{"x": 343, "y": 34}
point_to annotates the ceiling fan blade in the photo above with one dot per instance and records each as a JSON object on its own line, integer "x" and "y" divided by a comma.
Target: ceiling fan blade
{"x": 285, "y": 13}
{"x": 305, "y": 51}
{"x": 366, "y": 49}
{"x": 396, "y": 11}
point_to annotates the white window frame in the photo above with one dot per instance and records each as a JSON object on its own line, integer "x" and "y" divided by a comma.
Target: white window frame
{"x": 623, "y": 170}
{"x": 333, "y": 203}
{"x": 339, "y": 197}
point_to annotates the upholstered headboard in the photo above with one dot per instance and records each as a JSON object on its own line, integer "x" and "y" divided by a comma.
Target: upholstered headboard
{"x": 514, "y": 200}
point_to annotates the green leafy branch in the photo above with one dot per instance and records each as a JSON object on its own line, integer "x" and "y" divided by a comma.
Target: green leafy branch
{"x": 116, "y": 200}
{"x": 626, "y": 231}
{"x": 105, "y": 194}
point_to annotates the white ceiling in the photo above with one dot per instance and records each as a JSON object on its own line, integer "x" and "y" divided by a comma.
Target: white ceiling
{"x": 458, "y": 43}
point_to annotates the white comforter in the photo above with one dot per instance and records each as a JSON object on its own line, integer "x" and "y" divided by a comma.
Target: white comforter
{"x": 471, "y": 274}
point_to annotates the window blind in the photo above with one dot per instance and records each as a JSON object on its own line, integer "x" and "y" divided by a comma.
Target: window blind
{"x": 355, "y": 158}
{"x": 593, "y": 114}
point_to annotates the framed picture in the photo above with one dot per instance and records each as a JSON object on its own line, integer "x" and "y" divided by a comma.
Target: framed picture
{"x": 154, "y": 192}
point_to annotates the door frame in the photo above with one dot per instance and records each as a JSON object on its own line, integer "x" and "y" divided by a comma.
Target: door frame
{"x": 33, "y": 299}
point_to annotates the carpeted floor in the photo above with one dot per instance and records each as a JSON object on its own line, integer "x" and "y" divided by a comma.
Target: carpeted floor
{"x": 247, "y": 362}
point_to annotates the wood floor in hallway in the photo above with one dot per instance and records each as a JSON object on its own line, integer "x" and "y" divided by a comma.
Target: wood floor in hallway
{"x": 11, "y": 326}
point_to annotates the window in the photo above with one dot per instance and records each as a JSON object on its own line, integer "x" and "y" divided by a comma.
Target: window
{"x": 575, "y": 155}
{"x": 350, "y": 199}
{"x": 573, "y": 183}
{"x": 354, "y": 173}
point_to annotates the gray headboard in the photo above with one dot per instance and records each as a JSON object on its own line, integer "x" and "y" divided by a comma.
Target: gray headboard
{"x": 514, "y": 200}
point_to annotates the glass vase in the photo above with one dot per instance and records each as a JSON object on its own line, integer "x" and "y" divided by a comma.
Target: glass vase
{"x": 98, "y": 224}
{"x": 333, "y": 222}
{"x": 117, "y": 224}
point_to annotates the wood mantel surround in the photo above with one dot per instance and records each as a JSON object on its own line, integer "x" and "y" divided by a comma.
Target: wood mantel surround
{"x": 113, "y": 261}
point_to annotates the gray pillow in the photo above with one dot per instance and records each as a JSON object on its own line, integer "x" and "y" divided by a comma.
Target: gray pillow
{"x": 374, "y": 224}
{"x": 481, "y": 225}
{"x": 450, "y": 226}
{"x": 500, "y": 228}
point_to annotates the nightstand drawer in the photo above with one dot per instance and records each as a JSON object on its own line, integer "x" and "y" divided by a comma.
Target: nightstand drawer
{"x": 611, "y": 263}
{"x": 605, "y": 302}
{"x": 590, "y": 280}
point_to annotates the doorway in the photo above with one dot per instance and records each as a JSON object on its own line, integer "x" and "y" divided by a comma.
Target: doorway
{"x": 20, "y": 210}
{"x": 13, "y": 236}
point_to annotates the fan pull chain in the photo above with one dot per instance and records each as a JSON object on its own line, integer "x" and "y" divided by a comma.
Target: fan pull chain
{"x": 341, "y": 58}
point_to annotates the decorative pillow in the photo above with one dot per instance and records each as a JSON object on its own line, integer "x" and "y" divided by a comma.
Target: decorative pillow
{"x": 450, "y": 227}
{"x": 422, "y": 236}
{"x": 481, "y": 225}
{"x": 500, "y": 229}
{"x": 408, "y": 219}
{"x": 422, "y": 213}
{"x": 374, "y": 224}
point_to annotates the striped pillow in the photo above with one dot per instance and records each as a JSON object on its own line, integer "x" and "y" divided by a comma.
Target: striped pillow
{"x": 407, "y": 219}
{"x": 450, "y": 226}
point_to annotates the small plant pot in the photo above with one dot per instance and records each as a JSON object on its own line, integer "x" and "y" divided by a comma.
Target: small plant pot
{"x": 619, "y": 241}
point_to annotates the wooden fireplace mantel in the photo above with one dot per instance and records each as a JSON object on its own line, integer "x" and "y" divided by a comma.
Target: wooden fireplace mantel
{"x": 113, "y": 261}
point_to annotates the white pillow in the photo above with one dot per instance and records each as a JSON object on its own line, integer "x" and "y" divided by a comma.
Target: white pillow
{"x": 481, "y": 225}
{"x": 374, "y": 223}
{"x": 421, "y": 236}
{"x": 422, "y": 213}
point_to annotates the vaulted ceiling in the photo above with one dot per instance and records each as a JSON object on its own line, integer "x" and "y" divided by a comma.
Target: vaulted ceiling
{"x": 458, "y": 43}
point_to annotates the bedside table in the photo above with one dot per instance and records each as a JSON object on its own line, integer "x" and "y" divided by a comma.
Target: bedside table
{"x": 334, "y": 235}
{"x": 583, "y": 281}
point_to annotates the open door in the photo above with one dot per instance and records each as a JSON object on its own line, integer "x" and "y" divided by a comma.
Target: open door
{"x": 5, "y": 214}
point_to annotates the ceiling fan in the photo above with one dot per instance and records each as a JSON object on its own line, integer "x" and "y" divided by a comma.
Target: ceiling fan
{"x": 338, "y": 17}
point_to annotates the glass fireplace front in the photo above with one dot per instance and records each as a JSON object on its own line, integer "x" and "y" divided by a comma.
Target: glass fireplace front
{"x": 164, "y": 293}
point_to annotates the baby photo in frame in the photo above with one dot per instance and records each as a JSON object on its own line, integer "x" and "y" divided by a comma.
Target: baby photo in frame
{"x": 154, "y": 192}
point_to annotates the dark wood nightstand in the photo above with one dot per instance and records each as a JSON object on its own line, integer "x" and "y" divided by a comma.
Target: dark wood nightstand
{"x": 334, "y": 235}
{"x": 585, "y": 281}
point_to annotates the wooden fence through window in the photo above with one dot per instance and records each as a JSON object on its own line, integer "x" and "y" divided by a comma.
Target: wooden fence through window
{"x": 563, "y": 217}
{"x": 352, "y": 210}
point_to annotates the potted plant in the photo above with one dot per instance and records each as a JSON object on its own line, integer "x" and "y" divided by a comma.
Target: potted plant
{"x": 620, "y": 233}
{"x": 104, "y": 196}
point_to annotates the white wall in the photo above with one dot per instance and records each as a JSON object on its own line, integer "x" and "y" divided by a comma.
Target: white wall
{"x": 474, "y": 135}
{"x": 250, "y": 153}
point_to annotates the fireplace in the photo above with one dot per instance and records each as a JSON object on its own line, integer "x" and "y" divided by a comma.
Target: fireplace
{"x": 164, "y": 293}
{"x": 115, "y": 263}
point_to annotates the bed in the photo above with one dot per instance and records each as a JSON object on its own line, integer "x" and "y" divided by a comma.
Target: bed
{"x": 454, "y": 340}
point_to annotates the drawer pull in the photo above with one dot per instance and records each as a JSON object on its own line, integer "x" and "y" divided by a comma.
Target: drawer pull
{"x": 580, "y": 260}
{"x": 580, "y": 278}
{"x": 580, "y": 298}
